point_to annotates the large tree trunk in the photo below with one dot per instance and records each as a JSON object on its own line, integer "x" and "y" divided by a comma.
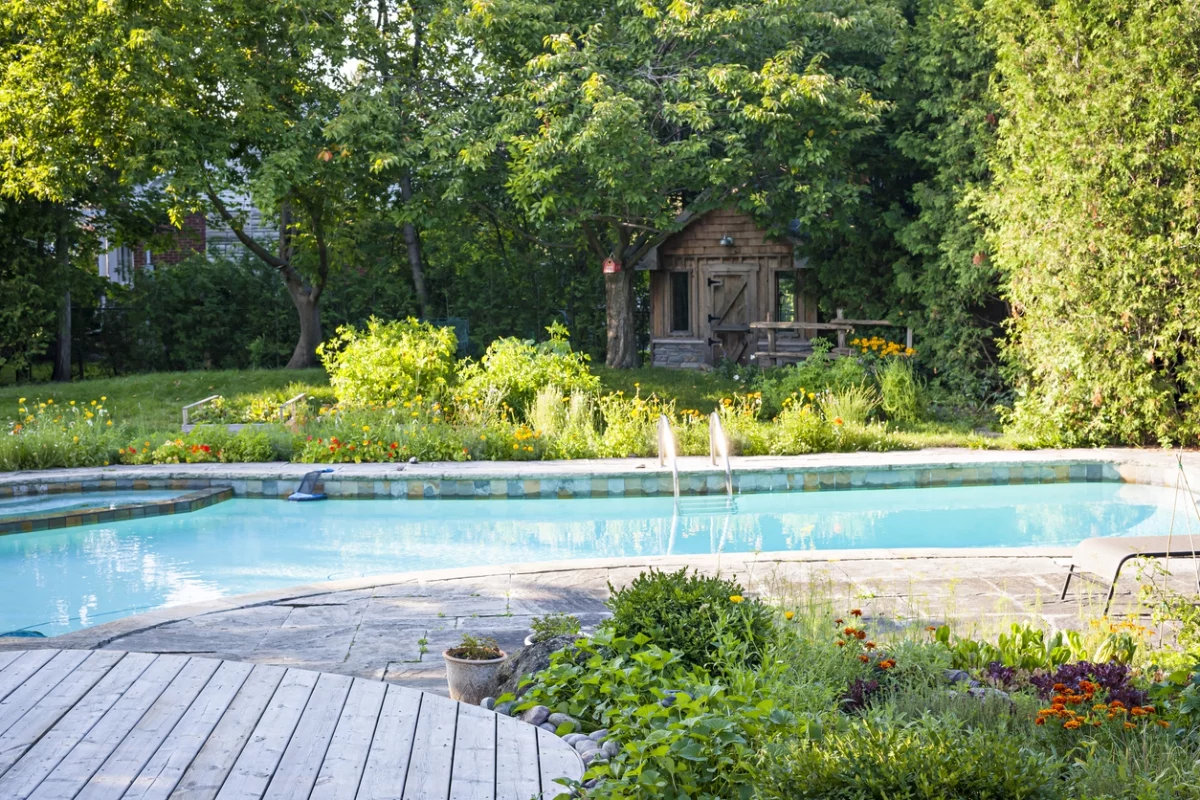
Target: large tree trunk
{"x": 62, "y": 344}
{"x": 305, "y": 354}
{"x": 622, "y": 333}
{"x": 412, "y": 239}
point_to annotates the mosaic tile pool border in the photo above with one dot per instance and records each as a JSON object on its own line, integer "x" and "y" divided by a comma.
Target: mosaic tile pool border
{"x": 656, "y": 483}
{"x": 203, "y": 497}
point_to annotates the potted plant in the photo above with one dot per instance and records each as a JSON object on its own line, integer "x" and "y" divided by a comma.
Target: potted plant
{"x": 551, "y": 625}
{"x": 471, "y": 668}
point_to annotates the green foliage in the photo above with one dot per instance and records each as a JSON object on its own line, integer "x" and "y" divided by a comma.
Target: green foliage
{"x": 45, "y": 434}
{"x": 900, "y": 392}
{"x": 814, "y": 375}
{"x": 680, "y": 734}
{"x": 552, "y": 625}
{"x": 475, "y": 648}
{"x": 927, "y": 759}
{"x": 389, "y": 362}
{"x": 1095, "y": 216}
{"x": 688, "y": 613}
{"x": 852, "y": 405}
{"x": 514, "y": 370}
{"x": 209, "y": 443}
{"x": 945, "y": 121}
{"x": 1029, "y": 648}
{"x": 206, "y": 312}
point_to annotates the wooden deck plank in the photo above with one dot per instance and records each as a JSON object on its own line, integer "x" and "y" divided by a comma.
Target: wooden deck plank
{"x": 346, "y": 757}
{"x": 433, "y": 750}
{"x": 391, "y": 749}
{"x": 162, "y": 773}
{"x": 555, "y": 760}
{"x": 301, "y": 761}
{"x": 22, "y": 669}
{"x": 206, "y": 774}
{"x": 473, "y": 773}
{"x": 37, "y": 686}
{"x": 9, "y": 656}
{"x": 27, "y": 730}
{"x": 517, "y": 750}
{"x": 78, "y": 766}
{"x": 253, "y": 769}
{"x": 119, "y": 770}
{"x": 37, "y": 761}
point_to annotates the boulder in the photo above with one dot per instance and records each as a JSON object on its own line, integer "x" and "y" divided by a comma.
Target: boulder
{"x": 528, "y": 660}
{"x": 536, "y": 715}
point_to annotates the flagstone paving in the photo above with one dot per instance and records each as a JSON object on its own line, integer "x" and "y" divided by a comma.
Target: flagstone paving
{"x": 395, "y": 629}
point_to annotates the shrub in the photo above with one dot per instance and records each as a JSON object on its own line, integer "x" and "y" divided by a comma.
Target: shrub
{"x": 689, "y": 614}
{"x": 800, "y": 429}
{"x": 818, "y": 373}
{"x": 46, "y": 435}
{"x": 552, "y": 625}
{"x": 900, "y": 392}
{"x": 518, "y": 368}
{"x": 849, "y": 405}
{"x": 931, "y": 758}
{"x": 679, "y": 734}
{"x": 389, "y": 362}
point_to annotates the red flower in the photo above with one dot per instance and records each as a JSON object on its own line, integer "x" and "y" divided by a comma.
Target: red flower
{"x": 206, "y": 448}
{"x": 394, "y": 445}
{"x": 856, "y": 612}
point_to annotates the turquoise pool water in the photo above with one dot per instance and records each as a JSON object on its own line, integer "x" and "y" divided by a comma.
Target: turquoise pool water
{"x": 58, "y": 581}
{"x": 26, "y": 505}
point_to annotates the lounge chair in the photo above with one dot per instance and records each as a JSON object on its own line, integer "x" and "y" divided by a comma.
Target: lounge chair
{"x": 1097, "y": 559}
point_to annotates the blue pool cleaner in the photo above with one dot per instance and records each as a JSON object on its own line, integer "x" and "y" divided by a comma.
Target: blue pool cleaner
{"x": 307, "y": 484}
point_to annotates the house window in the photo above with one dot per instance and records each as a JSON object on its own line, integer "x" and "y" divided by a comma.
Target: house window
{"x": 785, "y": 296}
{"x": 681, "y": 302}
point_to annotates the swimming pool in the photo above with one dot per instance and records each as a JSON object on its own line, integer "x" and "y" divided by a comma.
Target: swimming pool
{"x": 30, "y": 504}
{"x": 58, "y": 581}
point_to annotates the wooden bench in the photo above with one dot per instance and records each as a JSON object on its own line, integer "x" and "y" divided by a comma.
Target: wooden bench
{"x": 1099, "y": 558}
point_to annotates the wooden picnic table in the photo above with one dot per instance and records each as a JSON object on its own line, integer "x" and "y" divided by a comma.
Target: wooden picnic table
{"x": 108, "y": 724}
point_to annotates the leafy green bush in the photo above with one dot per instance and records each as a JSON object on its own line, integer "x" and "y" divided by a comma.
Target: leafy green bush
{"x": 679, "y": 733}
{"x": 516, "y": 369}
{"x": 389, "y": 362}
{"x": 71, "y": 434}
{"x": 926, "y": 759}
{"x": 849, "y": 405}
{"x": 816, "y": 374}
{"x": 899, "y": 390}
{"x": 689, "y": 614}
{"x": 209, "y": 443}
{"x": 552, "y": 625}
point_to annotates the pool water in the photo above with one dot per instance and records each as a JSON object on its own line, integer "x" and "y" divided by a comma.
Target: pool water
{"x": 31, "y": 504}
{"x": 58, "y": 581}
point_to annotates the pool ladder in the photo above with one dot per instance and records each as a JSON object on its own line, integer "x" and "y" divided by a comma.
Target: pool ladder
{"x": 718, "y": 453}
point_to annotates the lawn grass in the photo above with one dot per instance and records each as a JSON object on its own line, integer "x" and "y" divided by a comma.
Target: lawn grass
{"x": 689, "y": 388}
{"x": 153, "y": 401}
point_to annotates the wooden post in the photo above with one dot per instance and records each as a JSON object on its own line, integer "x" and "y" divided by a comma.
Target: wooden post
{"x": 771, "y": 343}
{"x": 841, "y": 334}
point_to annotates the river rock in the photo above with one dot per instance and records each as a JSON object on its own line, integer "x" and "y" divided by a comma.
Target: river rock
{"x": 547, "y": 727}
{"x": 598, "y": 736}
{"x": 572, "y": 738}
{"x": 586, "y": 746}
{"x": 556, "y": 719}
{"x": 489, "y": 703}
{"x": 536, "y": 715}
{"x": 610, "y": 749}
{"x": 956, "y": 676}
{"x": 504, "y": 708}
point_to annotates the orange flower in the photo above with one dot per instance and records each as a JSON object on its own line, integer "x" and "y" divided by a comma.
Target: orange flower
{"x": 838, "y": 621}
{"x": 860, "y": 635}
{"x": 863, "y": 659}
{"x": 1130, "y": 725}
{"x": 1060, "y": 687}
{"x": 887, "y": 663}
{"x": 931, "y": 628}
{"x": 1040, "y": 721}
{"x": 849, "y": 631}
{"x": 840, "y": 643}
{"x": 1116, "y": 704}
{"x": 1071, "y": 724}
{"x": 856, "y": 612}
{"x": 1163, "y": 723}
{"x": 869, "y": 645}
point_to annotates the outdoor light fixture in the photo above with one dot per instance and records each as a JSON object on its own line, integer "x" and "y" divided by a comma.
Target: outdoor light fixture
{"x": 727, "y": 241}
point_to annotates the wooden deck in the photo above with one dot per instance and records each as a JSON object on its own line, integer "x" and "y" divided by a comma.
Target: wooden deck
{"x": 107, "y": 724}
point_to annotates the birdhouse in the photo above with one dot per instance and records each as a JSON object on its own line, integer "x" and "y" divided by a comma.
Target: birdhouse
{"x": 611, "y": 266}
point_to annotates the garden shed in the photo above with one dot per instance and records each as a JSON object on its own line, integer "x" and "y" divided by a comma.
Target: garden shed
{"x": 715, "y": 283}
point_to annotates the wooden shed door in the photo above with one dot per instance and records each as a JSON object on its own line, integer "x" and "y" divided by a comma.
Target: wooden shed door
{"x": 732, "y": 296}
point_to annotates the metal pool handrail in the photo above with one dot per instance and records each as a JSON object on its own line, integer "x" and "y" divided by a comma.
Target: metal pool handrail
{"x": 190, "y": 406}
{"x": 667, "y": 451}
{"x": 718, "y": 444}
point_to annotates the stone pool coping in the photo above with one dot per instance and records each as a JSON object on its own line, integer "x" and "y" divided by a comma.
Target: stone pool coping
{"x": 52, "y": 520}
{"x": 98, "y": 636}
{"x": 630, "y": 477}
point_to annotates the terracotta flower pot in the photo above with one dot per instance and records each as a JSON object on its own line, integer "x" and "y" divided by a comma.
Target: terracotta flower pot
{"x": 471, "y": 681}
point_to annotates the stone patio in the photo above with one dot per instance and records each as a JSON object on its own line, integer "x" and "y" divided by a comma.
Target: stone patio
{"x": 394, "y": 629}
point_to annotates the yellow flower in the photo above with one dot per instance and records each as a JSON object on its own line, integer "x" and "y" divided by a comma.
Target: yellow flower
{"x": 109, "y": 422}
{"x": 366, "y": 428}
{"x": 50, "y": 401}
{"x": 77, "y": 438}
{"x": 93, "y": 402}
{"x": 789, "y": 614}
{"x": 21, "y": 400}
{"x": 482, "y": 438}
{"x": 72, "y": 402}
{"x": 102, "y": 398}
{"x": 736, "y": 598}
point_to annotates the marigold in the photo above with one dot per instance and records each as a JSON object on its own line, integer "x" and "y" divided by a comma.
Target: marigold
{"x": 840, "y": 642}
{"x": 849, "y": 631}
{"x": 736, "y": 598}
{"x": 1071, "y": 724}
{"x": 887, "y": 663}
{"x": 863, "y": 659}
{"x": 869, "y": 645}
{"x": 789, "y": 614}
{"x": 856, "y": 612}
{"x": 1040, "y": 721}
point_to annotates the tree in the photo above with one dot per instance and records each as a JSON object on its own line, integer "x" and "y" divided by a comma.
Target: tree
{"x": 1096, "y": 216}
{"x": 624, "y": 120}
{"x": 944, "y": 124}
{"x": 203, "y": 102}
